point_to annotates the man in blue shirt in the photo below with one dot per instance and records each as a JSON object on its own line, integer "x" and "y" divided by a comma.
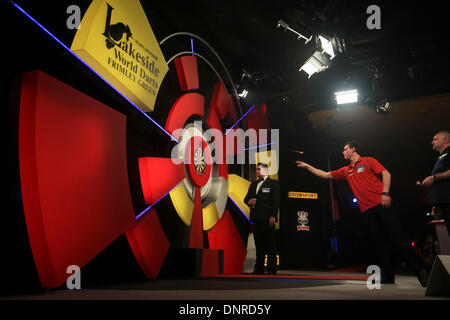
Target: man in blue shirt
{"x": 439, "y": 180}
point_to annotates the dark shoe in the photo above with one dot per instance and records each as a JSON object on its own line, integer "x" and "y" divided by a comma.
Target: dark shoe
{"x": 423, "y": 276}
{"x": 258, "y": 272}
{"x": 273, "y": 272}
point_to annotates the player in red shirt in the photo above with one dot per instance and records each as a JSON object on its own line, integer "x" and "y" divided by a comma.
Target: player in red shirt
{"x": 363, "y": 175}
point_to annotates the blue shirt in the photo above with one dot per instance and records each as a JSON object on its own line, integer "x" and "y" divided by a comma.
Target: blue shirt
{"x": 439, "y": 192}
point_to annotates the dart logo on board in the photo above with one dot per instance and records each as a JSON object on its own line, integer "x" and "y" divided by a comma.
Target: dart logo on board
{"x": 117, "y": 41}
{"x": 114, "y": 33}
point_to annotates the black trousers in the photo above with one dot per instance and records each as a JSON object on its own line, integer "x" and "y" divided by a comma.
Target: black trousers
{"x": 265, "y": 243}
{"x": 386, "y": 233}
{"x": 445, "y": 214}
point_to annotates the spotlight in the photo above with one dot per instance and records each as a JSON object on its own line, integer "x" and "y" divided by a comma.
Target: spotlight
{"x": 331, "y": 46}
{"x": 383, "y": 106}
{"x": 315, "y": 64}
{"x": 354, "y": 200}
{"x": 349, "y": 96}
{"x": 246, "y": 74}
{"x": 283, "y": 24}
{"x": 243, "y": 94}
{"x": 327, "y": 47}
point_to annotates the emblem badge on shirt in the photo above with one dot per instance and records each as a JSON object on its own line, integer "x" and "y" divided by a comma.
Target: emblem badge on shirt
{"x": 350, "y": 172}
{"x": 265, "y": 190}
{"x": 443, "y": 156}
{"x": 360, "y": 168}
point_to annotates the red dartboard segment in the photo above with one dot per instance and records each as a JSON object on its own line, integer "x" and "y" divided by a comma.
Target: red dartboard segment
{"x": 187, "y": 72}
{"x": 158, "y": 176}
{"x": 148, "y": 243}
{"x": 222, "y": 103}
{"x": 186, "y": 106}
{"x": 225, "y": 235}
{"x": 196, "y": 234}
{"x": 214, "y": 123}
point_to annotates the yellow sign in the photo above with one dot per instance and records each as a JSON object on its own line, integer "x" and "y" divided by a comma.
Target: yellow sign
{"x": 302, "y": 195}
{"x": 116, "y": 40}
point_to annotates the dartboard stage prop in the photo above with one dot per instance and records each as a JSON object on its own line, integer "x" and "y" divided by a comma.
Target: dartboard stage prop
{"x": 75, "y": 161}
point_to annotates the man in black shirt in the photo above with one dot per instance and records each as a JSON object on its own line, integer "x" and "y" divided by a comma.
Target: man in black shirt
{"x": 263, "y": 198}
{"x": 439, "y": 180}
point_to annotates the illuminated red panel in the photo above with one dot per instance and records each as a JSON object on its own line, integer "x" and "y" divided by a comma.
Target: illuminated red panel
{"x": 187, "y": 72}
{"x": 73, "y": 172}
{"x": 224, "y": 235}
{"x": 186, "y": 106}
{"x": 257, "y": 119}
{"x": 222, "y": 102}
{"x": 158, "y": 176}
{"x": 148, "y": 243}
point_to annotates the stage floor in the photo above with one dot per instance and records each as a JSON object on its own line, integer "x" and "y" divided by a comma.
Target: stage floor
{"x": 286, "y": 285}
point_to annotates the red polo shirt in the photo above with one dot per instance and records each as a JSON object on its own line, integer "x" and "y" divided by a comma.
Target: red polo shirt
{"x": 363, "y": 178}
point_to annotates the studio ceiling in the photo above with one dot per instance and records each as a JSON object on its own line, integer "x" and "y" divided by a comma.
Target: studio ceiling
{"x": 407, "y": 55}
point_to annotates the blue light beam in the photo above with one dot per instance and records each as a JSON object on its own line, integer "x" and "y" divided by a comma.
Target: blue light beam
{"x": 153, "y": 204}
{"x": 263, "y": 145}
{"x": 240, "y": 209}
{"x": 234, "y": 125}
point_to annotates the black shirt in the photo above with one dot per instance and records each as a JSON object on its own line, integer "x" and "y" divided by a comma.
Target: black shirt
{"x": 440, "y": 190}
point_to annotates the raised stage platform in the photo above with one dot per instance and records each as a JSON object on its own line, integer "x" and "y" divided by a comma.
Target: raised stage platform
{"x": 286, "y": 285}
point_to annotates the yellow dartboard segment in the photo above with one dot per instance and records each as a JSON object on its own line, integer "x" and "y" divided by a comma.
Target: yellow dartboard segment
{"x": 184, "y": 207}
{"x": 182, "y": 203}
{"x": 210, "y": 216}
{"x": 238, "y": 188}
